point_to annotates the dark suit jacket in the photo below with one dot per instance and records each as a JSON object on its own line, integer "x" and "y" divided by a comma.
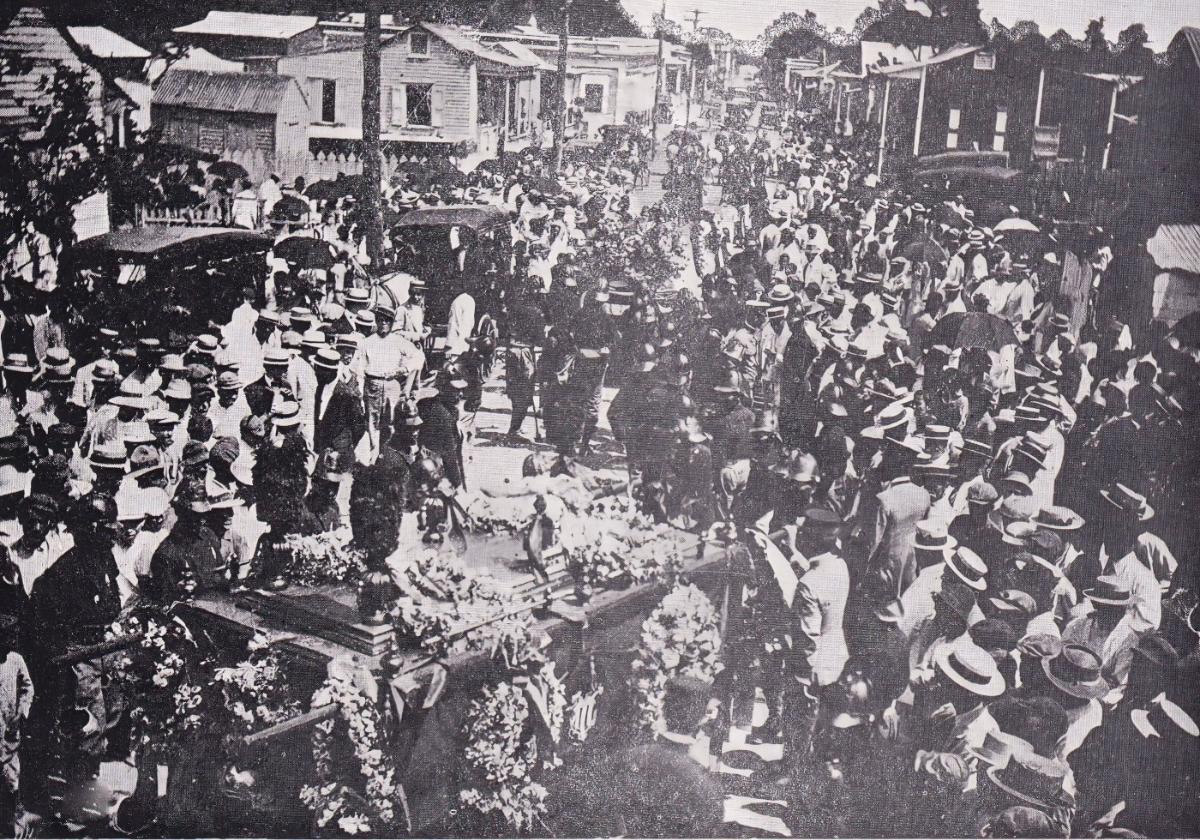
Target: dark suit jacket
{"x": 439, "y": 433}
{"x": 343, "y": 423}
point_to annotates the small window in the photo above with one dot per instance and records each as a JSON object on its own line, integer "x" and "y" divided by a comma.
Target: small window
{"x": 328, "y": 100}
{"x": 952, "y": 133}
{"x": 673, "y": 79}
{"x": 985, "y": 61}
{"x": 419, "y": 104}
{"x": 418, "y": 43}
{"x": 1001, "y": 129}
{"x": 593, "y": 98}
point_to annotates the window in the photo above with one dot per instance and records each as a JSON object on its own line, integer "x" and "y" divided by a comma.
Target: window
{"x": 1001, "y": 129}
{"x": 985, "y": 61}
{"x": 328, "y": 92}
{"x": 418, "y": 107}
{"x": 593, "y": 98}
{"x": 418, "y": 43}
{"x": 952, "y": 134}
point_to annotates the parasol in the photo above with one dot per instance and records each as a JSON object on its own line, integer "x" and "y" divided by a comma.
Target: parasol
{"x": 972, "y": 329}
{"x": 305, "y": 252}
{"x": 290, "y": 208}
{"x": 924, "y": 250}
{"x": 228, "y": 170}
{"x": 1016, "y": 223}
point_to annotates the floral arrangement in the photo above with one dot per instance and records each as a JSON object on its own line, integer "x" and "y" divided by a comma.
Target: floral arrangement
{"x": 158, "y": 674}
{"x": 508, "y": 743}
{"x": 438, "y": 600}
{"x": 332, "y": 799}
{"x": 255, "y": 693}
{"x": 609, "y": 541}
{"x": 500, "y": 746}
{"x": 681, "y": 637}
{"x": 325, "y": 557}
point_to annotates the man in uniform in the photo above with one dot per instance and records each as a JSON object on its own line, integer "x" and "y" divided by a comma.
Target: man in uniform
{"x": 594, "y": 334}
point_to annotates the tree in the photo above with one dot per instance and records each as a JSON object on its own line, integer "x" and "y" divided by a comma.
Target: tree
{"x": 47, "y": 170}
{"x": 1132, "y": 54}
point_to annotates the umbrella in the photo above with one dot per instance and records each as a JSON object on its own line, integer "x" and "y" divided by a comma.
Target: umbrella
{"x": 924, "y": 250}
{"x": 228, "y": 170}
{"x": 332, "y": 190}
{"x": 290, "y": 208}
{"x": 1016, "y": 223}
{"x": 972, "y": 329}
{"x": 305, "y": 252}
{"x": 1023, "y": 241}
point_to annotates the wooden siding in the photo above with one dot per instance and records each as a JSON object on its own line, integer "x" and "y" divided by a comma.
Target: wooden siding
{"x": 443, "y": 68}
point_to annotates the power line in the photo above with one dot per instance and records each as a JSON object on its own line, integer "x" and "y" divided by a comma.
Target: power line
{"x": 695, "y": 13}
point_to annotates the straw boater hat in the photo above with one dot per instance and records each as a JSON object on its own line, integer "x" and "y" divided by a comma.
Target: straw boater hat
{"x": 1058, "y": 518}
{"x": 1109, "y": 592}
{"x": 931, "y": 535}
{"x": 1076, "y": 671}
{"x": 1014, "y": 601}
{"x": 1163, "y": 715}
{"x": 286, "y": 415}
{"x": 968, "y": 567}
{"x": 970, "y": 666}
{"x": 17, "y": 363}
{"x": 993, "y": 752}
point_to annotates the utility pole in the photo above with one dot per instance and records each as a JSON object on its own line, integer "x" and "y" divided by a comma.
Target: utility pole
{"x": 372, "y": 158}
{"x": 658, "y": 80}
{"x": 560, "y": 111}
{"x": 695, "y": 13}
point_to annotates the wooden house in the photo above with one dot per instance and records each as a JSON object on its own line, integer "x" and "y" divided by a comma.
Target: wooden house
{"x": 248, "y": 35}
{"x": 440, "y": 89}
{"x": 258, "y": 120}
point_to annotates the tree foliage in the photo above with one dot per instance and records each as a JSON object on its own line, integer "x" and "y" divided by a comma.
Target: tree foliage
{"x": 59, "y": 161}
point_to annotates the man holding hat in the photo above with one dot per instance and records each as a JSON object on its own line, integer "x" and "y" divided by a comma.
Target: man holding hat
{"x": 189, "y": 560}
{"x": 391, "y": 361}
{"x": 230, "y": 407}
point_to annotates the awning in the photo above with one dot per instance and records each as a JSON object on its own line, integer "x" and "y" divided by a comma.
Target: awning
{"x": 913, "y": 69}
{"x": 1176, "y": 248}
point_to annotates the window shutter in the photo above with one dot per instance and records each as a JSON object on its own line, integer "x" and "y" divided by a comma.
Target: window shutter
{"x": 387, "y": 111}
{"x": 315, "y": 91}
{"x": 436, "y": 106}
{"x": 399, "y": 105}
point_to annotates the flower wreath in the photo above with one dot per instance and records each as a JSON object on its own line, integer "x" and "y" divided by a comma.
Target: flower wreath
{"x": 681, "y": 637}
{"x": 374, "y": 809}
{"x": 158, "y": 676}
{"x": 503, "y": 741}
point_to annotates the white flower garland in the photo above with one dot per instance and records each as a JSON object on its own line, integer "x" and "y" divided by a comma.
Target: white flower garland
{"x": 681, "y": 637}
{"x": 373, "y": 811}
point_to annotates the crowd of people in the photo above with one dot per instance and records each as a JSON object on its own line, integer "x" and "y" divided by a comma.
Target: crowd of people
{"x": 952, "y": 502}
{"x": 954, "y": 496}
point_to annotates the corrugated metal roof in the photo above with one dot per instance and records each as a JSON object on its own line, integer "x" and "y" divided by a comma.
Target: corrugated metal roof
{"x": 104, "y": 43}
{"x": 250, "y": 25}
{"x": 1176, "y": 248}
{"x": 251, "y": 93}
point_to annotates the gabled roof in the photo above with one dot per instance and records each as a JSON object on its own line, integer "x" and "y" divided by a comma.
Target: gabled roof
{"x": 104, "y": 43}
{"x": 247, "y": 93}
{"x": 462, "y": 42}
{"x": 250, "y": 25}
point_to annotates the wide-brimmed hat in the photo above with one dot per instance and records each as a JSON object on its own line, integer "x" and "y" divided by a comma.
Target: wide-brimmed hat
{"x": 1128, "y": 502}
{"x": 993, "y": 752}
{"x": 228, "y": 381}
{"x": 109, "y": 456}
{"x": 1109, "y": 591}
{"x": 1032, "y": 778}
{"x": 968, "y": 567}
{"x": 1016, "y": 482}
{"x": 1076, "y": 671}
{"x": 145, "y": 460}
{"x": 313, "y": 340}
{"x": 1058, "y": 518}
{"x": 205, "y": 344}
{"x": 780, "y": 294}
{"x": 1014, "y": 601}
{"x": 1162, "y": 716}
{"x": 970, "y": 666}
{"x": 177, "y": 389}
